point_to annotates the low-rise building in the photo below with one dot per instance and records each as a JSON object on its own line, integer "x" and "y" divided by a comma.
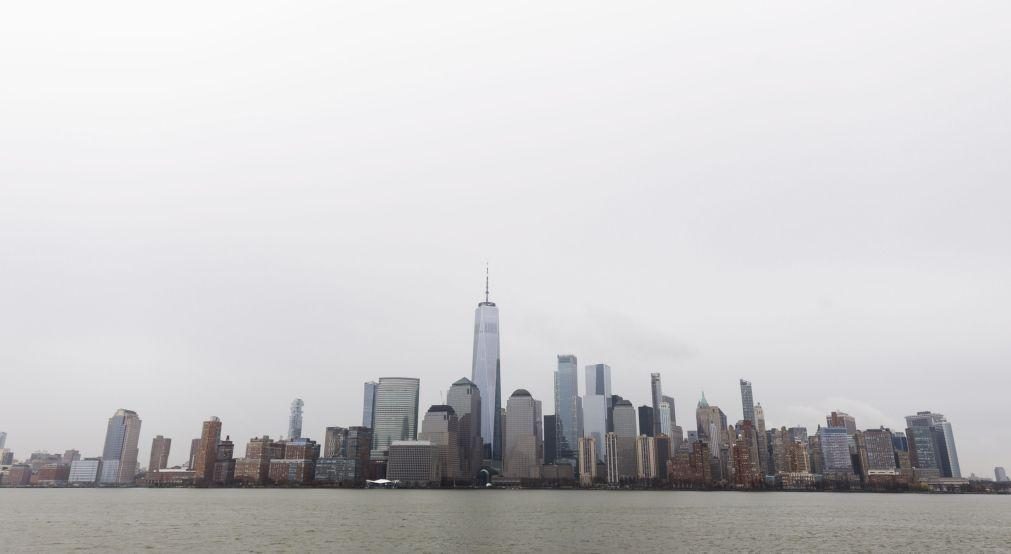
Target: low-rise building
{"x": 413, "y": 463}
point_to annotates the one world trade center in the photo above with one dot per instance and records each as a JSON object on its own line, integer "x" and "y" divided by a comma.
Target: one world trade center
{"x": 486, "y": 374}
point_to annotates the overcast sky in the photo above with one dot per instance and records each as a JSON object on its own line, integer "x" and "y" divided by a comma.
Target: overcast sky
{"x": 213, "y": 208}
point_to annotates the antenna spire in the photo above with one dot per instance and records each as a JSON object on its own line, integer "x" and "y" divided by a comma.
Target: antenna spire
{"x": 486, "y": 282}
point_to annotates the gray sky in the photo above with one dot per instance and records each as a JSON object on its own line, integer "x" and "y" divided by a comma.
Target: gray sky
{"x": 209, "y": 209}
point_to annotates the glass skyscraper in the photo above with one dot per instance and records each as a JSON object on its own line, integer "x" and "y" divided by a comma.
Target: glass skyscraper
{"x": 119, "y": 457}
{"x": 295, "y": 419}
{"x": 369, "y": 404}
{"x": 567, "y": 407}
{"x": 486, "y": 373}
{"x": 657, "y": 396}
{"x": 747, "y": 401}
{"x": 396, "y": 416}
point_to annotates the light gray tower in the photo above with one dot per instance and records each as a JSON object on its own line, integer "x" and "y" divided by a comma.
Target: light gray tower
{"x": 396, "y": 413}
{"x": 3, "y": 438}
{"x": 567, "y": 409}
{"x": 295, "y": 419}
{"x": 465, "y": 398}
{"x": 657, "y": 397}
{"x": 369, "y": 404}
{"x": 119, "y": 457}
{"x": 486, "y": 373}
{"x": 598, "y": 382}
{"x": 943, "y": 438}
{"x": 524, "y": 437}
{"x": 747, "y": 401}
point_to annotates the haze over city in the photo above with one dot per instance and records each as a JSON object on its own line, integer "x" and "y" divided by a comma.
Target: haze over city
{"x": 243, "y": 208}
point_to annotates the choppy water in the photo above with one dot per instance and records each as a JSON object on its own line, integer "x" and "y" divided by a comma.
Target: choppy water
{"x": 497, "y": 520}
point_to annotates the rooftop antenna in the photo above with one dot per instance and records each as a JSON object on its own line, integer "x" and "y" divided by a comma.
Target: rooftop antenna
{"x": 486, "y": 281}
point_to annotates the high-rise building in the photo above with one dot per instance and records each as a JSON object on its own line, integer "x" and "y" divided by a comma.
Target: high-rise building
{"x": 70, "y": 456}
{"x": 524, "y": 437}
{"x": 624, "y": 419}
{"x": 160, "y": 448}
{"x": 207, "y": 454}
{"x": 646, "y": 420}
{"x": 224, "y": 465}
{"x": 595, "y": 421}
{"x": 413, "y": 462}
{"x": 598, "y": 382}
{"x": 295, "y": 419}
{"x": 842, "y": 419}
{"x": 944, "y": 441}
{"x": 486, "y": 372}
{"x": 794, "y": 434}
{"x": 747, "y": 401}
{"x": 999, "y": 474}
{"x": 550, "y": 440}
{"x": 663, "y": 414}
{"x": 465, "y": 399}
{"x": 369, "y": 404}
{"x": 86, "y": 471}
{"x": 612, "y": 463}
{"x": 192, "y": 460}
{"x": 673, "y": 417}
{"x": 711, "y": 423}
{"x": 567, "y": 409}
{"x": 645, "y": 458}
{"x": 656, "y": 395}
{"x": 396, "y": 413}
{"x": 923, "y": 451}
{"x": 624, "y": 442}
{"x": 6, "y": 457}
{"x": 763, "y": 444}
{"x": 333, "y": 441}
{"x": 835, "y": 450}
{"x": 3, "y": 439}
{"x": 119, "y": 457}
{"x": 441, "y": 428}
{"x": 880, "y": 454}
{"x": 587, "y": 461}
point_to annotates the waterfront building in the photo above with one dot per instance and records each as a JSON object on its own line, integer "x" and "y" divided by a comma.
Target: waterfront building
{"x": 160, "y": 447}
{"x": 86, "y": 471}
{"x": 224, "y": 465}
{"x": 611, "y": 454}
{"x": 19, "y": 475}
{"x": 923, "y": 455}
{"x": 944, "y": 441}
{"x": 999, "y": 474}
{"x": 664, "y": 452}
{"x": 291, "y": 472}
{"x": 646, "y": 420}
{"x": 333, "y": 441}
{"x": 656, "y": 395}
{"x": 3, "y": 439}
{"x": 348, "y": 463}
{"x": 194, "y": 448}
{"x": 595, "y": 421}
{"x": 207, "y": 453}
{"x": 70, "y": 456}
{"x": 413, "y": 463}
{"x": 465, "y": 398}
{"x": 254, "y": 468}
{"x": 486, "y": 373}
{"x": 625, "y": 439}
{"x": 645, "y": 458}
{"x": 6, "y": 456}
{"x": 295, "y": 419}
{"x": 835, "y": 450}
{"x": 396, "y": 413}
{"x": 441, "y": 428}
{"x": 523, "y": 437}
{"x": 587, "y": 461}
{"x": 119, "y": 456}
{"x": 878, "y": 452}
{"x": 624, "y": 419}
{"x": 550, "y": 442}
{"x": 369, "y": 404}
{"x": 568, "y": 410}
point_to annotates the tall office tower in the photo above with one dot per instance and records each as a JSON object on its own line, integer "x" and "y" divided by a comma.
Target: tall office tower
{"x": 663, "y": 414}
{"x": 369, "y": 404}
{"x": 295, "y": 419}
{"x": 465, "y": 399}
{"x": 624, "y": 441}
{"x": 160, "y": 448}
{"x": 224, "y": 465}
{"x": 70, "y": 456}
{"x": 550, "y": 440}
{"x": 396, "y": 413}
{"x": 798, "y": 459}
{"x": 670, "y": 403}
{"x": 646, "y": 420}
{"x": 923, "y": 451}
{"x": 747, "y": 470}
{"x": 763, "y": 444}
{"x": 612, "y": 458}
{"x": 842, "y": 419}
{"x": 3, "y": 439}
{"x": 333, "y": 441}
{"x": 598, "y": 381}
{"x": 587, "y": 461}
{"x": 835, "y": 450}
{"x": 191, "y": 464}
{"x": 567, "y": 407}
{"x": 664, "y": 452}
{"x": 414, "y": 462}
{"x": 880, "y": 454}
{"x": 999, "y": 474}
{"x": 524, "y": 447}
{"x": 486, "y": 372}
{"x": 441, "y": 428}
{"x": 778, "y": 459}
{"x": 624, "y": 419}
{"x": 657, "y": 396}
{"x": 747, "y": 401}
{"x": 711, "y": 423}
{"x": 794, "y": 434}
{"x": 119, "y": 457}
{"x": 595, "y": 421}
{"x": 645, "y": 458}
{"x": 944, "y": 439}
{"x": 207, "y": 454}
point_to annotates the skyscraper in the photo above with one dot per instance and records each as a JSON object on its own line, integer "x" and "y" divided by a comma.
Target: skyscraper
{"x": 3, "y": 439}
{"x": 764, "y": 462}
{"x": 657, "y": 397}
{"x": 486, "y": 372}
{"x": 663, "y": 414}
{"x": 333, "y": 441}
{"x": 465, "y": 399}
{"x": 160, "y": 448}
{"x": 842, "y": 419}
{"x": 295, "y": 419}
{"x": 646, "y": 418}
{"x": 369, "y": 404}
{"x": 207, "y": 453}
{"x": 567, "y": 406}
{"x": 587, "y": 461}
{"x": 523, "y": 437}
{"x": 944, "y": 439}
{"x": 999, "y": 474}
{"x": 396, "y": 413}
{"x": 624, "y": 419}
{"x": 645, "y": 458}
{"x": 441, "y": 428}
{"x": 747, "y": 401}
{"x": 598, "y": 382}
{"x": 624, "y": 441}
{"x": 711, "y": 423}
{"x": 595, "y": 421}
{"x": 835, "y": 450}
{"x": 119, "y": 457}
{"x": 673, "y": 417}
{"x": 550, "y": 439}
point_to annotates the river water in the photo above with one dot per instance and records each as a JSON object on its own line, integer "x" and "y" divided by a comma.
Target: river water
{"x": 271, "y": 520}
